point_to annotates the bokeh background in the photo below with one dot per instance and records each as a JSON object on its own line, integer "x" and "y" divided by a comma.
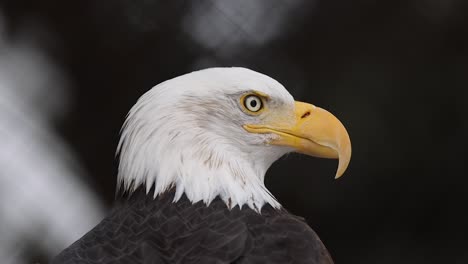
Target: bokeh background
{"x": 394, "y": 71}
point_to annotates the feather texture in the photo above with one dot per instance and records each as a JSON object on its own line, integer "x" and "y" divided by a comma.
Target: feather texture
{"x": 141, "y": 229}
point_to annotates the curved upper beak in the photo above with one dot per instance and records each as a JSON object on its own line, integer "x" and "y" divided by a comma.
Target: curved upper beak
{"x": 314, "y": 131}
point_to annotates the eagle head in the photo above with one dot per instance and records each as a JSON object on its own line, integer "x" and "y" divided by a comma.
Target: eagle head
{"x": 215, "y": 132}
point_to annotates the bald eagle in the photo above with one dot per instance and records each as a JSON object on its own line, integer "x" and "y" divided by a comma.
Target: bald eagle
{"x": 193, "y": 155}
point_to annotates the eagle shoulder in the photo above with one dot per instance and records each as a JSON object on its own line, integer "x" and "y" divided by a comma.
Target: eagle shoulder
{"x": 285, "y": 238}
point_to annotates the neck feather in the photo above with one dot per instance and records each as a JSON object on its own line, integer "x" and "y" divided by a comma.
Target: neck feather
{"x": 201, "y": 175}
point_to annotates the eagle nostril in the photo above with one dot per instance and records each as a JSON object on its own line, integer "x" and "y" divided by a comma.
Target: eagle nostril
{"x": 306, "y": 114}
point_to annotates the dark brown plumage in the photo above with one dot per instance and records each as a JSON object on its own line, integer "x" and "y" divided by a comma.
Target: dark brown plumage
{"x": 141, "y": 229}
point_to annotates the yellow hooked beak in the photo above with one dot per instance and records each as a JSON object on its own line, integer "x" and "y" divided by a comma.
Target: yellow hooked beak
{"x": 314, "y": 131}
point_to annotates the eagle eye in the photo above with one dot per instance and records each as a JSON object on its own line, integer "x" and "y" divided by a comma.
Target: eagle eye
{"x": 253, "y": 103}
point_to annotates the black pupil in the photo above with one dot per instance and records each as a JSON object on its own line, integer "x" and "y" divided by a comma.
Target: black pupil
{"x": 253, "y": 103}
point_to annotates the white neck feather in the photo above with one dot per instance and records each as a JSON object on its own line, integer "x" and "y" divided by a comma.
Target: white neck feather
{"x": 170, "y": 139}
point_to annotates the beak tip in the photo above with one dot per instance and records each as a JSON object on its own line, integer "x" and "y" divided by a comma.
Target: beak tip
{"x": 343, "y": 162}
{"x": 339, "y": 174}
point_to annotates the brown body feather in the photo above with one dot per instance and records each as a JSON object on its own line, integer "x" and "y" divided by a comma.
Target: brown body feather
{"x": 141, "y": 229}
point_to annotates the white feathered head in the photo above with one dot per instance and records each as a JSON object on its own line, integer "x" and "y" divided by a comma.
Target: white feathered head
{"x": 215, "y": 132}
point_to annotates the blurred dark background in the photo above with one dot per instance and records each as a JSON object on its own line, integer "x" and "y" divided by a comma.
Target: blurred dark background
{"x": 393, "y": 71}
